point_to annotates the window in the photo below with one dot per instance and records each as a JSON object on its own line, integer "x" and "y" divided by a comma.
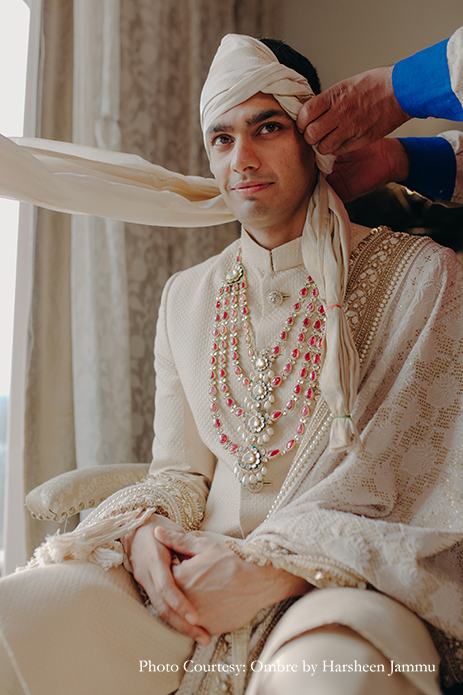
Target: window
{"x": 14, "y": 31}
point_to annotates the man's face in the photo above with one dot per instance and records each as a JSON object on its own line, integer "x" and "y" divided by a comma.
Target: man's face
{"x": 265, "y": 169}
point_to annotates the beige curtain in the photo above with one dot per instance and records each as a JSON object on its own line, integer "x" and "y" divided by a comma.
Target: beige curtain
{"x": 49, "y": 446}
{"x": 134, "y": 78}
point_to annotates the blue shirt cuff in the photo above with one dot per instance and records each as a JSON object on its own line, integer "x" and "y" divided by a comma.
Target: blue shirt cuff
{"x": 433, "y": 167}
{"x": 422, "y": 85}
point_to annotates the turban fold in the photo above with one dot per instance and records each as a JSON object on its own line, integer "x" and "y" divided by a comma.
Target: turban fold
{"x": 77, "y": 179}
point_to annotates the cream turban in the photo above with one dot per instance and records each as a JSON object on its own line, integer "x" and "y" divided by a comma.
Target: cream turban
{"x": 72, "y": 178}
{"x": 242, "y": 67}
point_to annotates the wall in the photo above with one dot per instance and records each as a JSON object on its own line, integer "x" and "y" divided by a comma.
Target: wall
{"x": 344, "y": 37}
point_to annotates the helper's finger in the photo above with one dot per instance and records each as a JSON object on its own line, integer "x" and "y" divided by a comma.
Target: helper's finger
{"x": 312, "y": 109}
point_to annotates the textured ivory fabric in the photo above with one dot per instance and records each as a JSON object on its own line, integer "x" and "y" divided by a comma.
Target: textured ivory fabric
{"x": 388, "y": 515}
{"x": 361, "y": 524}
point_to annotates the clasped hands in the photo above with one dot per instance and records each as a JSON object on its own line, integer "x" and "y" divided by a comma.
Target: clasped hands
{"x": 198, "y": 585}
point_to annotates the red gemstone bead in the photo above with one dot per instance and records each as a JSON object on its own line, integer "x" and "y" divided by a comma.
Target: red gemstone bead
{"x": 216, "y": 332}
{"x": 236, "y": 287}
{"x": 276, "y": 350}
{"x": 303, "y": 292}
{"x": 232, "y": 447}
{"x": 290, "y": 405}
{"x": 295, "y": 353}
{"x": 239, "y": 412}
{"x": 226, "y": 302}
{"x": 290, "y": 321}
{"x": 234, "y": 356}
{"x": 250, "y": 352}
{"x": 307, "y": 356}
{"x": 222, "y": 373}
{"x": 321, "y": 309}
{"x": 310, "y": 306}
{"x": 297, "y": 306}
{"x": 314, "y": 292}
{"x": 317, "y": 324}
{"x": 223, "y": 388}
{"x": 247, "y": 339}
{"x": 218, "y": 305}
{"x": 223, "y": 439}
{"x": 227, "y": 289}
{"x": 237, "y": 370}
{"x": 297, "y": 389}
{"x": 217, "y": 423}
{"x": 300, "y": 428}
{"x": 276, "y": 381}
{"x": 276, "y": 415}
{"x": 222, "y": 359}
{"x": 300, "y": 337}
{"x": 233, "y": 341}
{"x": 309, "y": 279}
{"x": 212, "y": 391}
{"x": 313, "y": 340}
{"x": 273, "y": 453}
{"x": 233, "y": 299}
{"x": 288, "y": 368}
{"x": 212, "y": 375}
{"x": 316, "y": 359}
{"x": 217, "y": 318}
{"x": 303, "y": 373}
{"x": 308, "y": 394}
{"x": 223, "y": 344}
{"x": 320, "y": 342}
{"x": 283, "y": 335}
{"x": 244, "y": 310}
{"x": 234, "y": 313}
{"x": 306, "y": 322}
{"x": 246, "y": 382}
{"x": 290, "y": 444}
{"x": 304, "y": 411}
{"x": 245, "y": 324}
{"x": 230, "y": 402}
{"x": 213, "y": 360}
{"x": 225, "y": 315}
{"x": 312, "y": 376}
{"x": 233, "y": 327}
{"x": 214, "y": 407}
{"x": 223, "y": 330}
{"x": 243, "y": 285}
{"x": 221, "y": 290}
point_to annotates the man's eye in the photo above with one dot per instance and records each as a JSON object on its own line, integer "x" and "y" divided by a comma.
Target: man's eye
{"x": 221, "y": 140}
{"x": 270, "y": 128}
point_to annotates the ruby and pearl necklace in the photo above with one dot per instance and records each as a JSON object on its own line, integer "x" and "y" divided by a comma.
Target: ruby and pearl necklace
{"x": 259, "y": 415}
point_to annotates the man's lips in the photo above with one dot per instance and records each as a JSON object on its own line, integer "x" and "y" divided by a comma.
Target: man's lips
{"x": 251, "y": 187}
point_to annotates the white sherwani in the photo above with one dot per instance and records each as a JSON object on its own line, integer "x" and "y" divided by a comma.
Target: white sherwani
{"x": 386, "y": 518}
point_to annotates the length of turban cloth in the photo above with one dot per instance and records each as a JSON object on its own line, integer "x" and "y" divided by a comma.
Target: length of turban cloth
{"x": 78, "y": 179}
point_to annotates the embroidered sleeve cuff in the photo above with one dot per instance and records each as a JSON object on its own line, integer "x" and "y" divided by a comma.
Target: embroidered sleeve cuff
{"x": 318, "y": 571}
{"x": 433, "y": 167}
{"x": 161, "y": 493}
{"x": 422, "y": 85}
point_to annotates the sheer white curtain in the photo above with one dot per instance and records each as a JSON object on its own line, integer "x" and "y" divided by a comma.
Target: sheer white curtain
{"x": 100, "y": 322}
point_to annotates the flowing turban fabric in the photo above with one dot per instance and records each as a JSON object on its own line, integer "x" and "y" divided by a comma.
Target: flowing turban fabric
{"x": 77, "y": 179}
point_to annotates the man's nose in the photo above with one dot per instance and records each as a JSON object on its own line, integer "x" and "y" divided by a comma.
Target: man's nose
{"x": 244, "y": 155}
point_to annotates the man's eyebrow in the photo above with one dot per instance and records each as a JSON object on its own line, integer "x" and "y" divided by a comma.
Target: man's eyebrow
{"x": 255, "y": 120}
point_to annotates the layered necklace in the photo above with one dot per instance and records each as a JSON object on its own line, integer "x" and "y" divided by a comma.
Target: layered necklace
{"x": 295, "y": 356}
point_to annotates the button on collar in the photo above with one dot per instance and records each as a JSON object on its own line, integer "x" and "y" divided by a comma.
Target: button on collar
{"x": 275, "y": 298}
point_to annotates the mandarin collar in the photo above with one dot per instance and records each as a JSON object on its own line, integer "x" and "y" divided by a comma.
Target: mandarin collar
{"x": 284, "y": 257}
